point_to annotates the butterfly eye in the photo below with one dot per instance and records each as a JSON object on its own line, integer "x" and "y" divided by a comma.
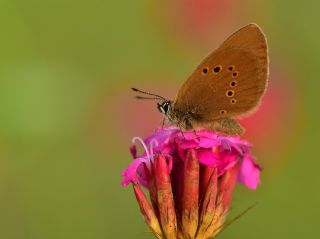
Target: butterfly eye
{"x": 231, "y": 68}
{"x": 233, "y": 101}
{"x": 165, "y": 107}
{"x": 230, "y": 93}
{"x": 233, "y": 83}
{"x": 235, "y": 74}
{"x": 205, "y": 71}
{"x": 217, "y": 69}
{"x": 223, "y": 112}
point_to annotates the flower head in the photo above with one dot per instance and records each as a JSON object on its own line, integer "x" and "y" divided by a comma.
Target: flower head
{"x": 190, "y": 178}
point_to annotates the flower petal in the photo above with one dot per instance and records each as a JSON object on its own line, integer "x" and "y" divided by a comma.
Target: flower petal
{"x": 207, "y": 157}
{"x": 130, "y": 174}
{"x": 249, "y": 172}
{"x": 133, "y": 151}
{"x": 208, "y": 143}
{"x": 161, "y": 135}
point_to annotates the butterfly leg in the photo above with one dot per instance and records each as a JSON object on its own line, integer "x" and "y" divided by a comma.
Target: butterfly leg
{"x": 196, "y": 134}
{"x": 162, "y": 124}
{"x": 182, "y": 132}
{"x": 181, "y": 127}
{"x": 189, "y": 126}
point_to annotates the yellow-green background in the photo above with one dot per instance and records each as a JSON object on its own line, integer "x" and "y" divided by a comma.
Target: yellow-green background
{"x": 65, "y": 70}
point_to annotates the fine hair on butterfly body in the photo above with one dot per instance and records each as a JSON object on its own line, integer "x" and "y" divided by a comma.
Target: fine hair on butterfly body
{"x": 228, "y": 83}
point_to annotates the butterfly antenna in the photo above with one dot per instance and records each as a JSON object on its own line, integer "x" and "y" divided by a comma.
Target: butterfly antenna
{"x": 157, "y": 97}
{"x": 147, "y": 98}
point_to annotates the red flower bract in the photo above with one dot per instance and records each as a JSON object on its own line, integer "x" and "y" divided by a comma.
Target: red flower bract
{"x": 190, "y": 178}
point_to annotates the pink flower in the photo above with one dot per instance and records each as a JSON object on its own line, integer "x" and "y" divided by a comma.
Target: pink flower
{"x": 190, "y": 179}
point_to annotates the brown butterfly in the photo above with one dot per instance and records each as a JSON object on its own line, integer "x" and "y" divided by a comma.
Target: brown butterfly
{"x": 228, "y": 83}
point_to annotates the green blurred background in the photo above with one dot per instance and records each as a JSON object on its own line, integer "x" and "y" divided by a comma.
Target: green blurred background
{"x": 67, "y": 115}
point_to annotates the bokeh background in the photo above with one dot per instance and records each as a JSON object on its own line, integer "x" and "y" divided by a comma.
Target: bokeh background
{"x": 67, "y": 115}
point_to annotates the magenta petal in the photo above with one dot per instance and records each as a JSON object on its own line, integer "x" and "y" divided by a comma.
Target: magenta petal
{"x": 213, "y": 150}
{"x": 226, "y": 161}
{"x": 237, "y": 140}
{"x": 249, "y": 173}
{"x": 189, "y": 144}
{"x": 166, "y": 149}
{"x": 206, "y": 134}
{"x": 130, "y": 174}
{"x": 162, "y": 135}
{"x": 188, "y": 135}
{"x": 236, "y": 143}
{"x": 133, "y": 151}
{"x": 208, "y": 143}
{"x": 207, "y": 157}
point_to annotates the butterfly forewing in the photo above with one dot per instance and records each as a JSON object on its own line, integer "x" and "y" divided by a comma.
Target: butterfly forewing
{"x": 253, "y": 39}
{"x": 230, "y": 81}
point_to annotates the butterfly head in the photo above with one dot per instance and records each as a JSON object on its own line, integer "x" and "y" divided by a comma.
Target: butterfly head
{"x": 164, "y": 107}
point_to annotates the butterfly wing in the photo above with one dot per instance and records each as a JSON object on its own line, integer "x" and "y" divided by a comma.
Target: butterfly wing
{"x": 230, "y": 81}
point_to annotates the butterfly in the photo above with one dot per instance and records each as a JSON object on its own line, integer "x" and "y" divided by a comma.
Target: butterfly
{"x": 229, "y": 83}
